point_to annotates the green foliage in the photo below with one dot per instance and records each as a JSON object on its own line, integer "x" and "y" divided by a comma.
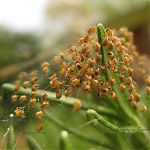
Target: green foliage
{"x": 64, "y": 141}
{"x": 33, "y": 145}
{"x": 11, "y": 138}
{"x": 12, "y": 44}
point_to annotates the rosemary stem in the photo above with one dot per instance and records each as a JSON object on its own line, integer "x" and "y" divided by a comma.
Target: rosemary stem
{"x": 63, "y": 100}
{"x": 73, "y": 131}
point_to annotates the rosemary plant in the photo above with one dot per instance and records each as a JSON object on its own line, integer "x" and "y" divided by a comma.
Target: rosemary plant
{"x": 102, "y": 66}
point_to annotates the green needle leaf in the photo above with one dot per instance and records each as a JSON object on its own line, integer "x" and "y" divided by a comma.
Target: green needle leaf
{"x": 32, "y": 143}
{"x": 11, "y": 139}
{"x": 64, "y": 141}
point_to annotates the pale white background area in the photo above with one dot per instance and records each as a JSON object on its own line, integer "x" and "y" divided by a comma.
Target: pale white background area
{"x": 22, "y": 14}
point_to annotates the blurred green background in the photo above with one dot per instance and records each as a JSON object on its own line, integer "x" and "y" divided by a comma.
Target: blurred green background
{"x": 65, "y": 21}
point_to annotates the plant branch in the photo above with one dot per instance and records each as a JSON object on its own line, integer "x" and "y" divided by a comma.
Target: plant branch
{"x": 65, "y": 141}
{"x": 32, "y": 143}
{"x": 63, "y": 100}
{"x": 11, "y": 139}
{"x": 121, "y": 97}
{"x": 92, "y": 114}
{"x": 73, "y": 131}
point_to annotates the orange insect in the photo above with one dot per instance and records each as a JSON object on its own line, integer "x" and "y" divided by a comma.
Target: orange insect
{"x": 40, "y": 127}
{"x": 39, "y": 115}
{"x": 19, "y": 111}
{"x": 14, "y": 98}
{"x": 77, "y": 105}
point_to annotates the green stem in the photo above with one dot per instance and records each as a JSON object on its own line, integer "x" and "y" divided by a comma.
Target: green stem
{"x": 92, "y": 114}
{"x": 121, "y": 98}
{"x": 11, "y": 139}
{"x": 64, "y": 141}
{"x": 32, "y": 143}
{"x": 73, "y": 131}
{"x": 63, "y": 100}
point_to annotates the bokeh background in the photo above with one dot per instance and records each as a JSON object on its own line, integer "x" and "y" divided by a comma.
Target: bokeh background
{"x": 32, "y": 31}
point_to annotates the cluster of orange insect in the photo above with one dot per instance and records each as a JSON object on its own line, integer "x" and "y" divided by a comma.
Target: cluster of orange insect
{"x": 128, "y": 56}
{"x": 27, "y": 81}
{"x": 83, "y": 67}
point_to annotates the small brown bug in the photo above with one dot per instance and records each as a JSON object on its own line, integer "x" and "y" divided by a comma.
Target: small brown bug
{"x": 91, "y": 30}
{"x": 40, "y": 127}
{"x": 68, "y": 92}
{"x": 143, "y": 109}
{"x": 97, "y": 46}
{"x": 22, "y": 75}
{"x": 45, "y": 70}
{"x": 122, "y": 88}
{"x": 23, "y": 98}
{"x": 109, "y": 32}
{"x": 14, "y": 98}
{"x": 110, "y": 54}
{"x": 45, "y": 64}
{"x": 148, "y": 90}
{"x": 130, "y": 97}
{"x": 129, "y": 81}
{"x": 58, "y": 93}
{"x": 26, "y": 84}
{"x": 32, "y": 102}
{"x": 111, "y": 81}
{"x": 113, "y": 95}
{"x": 81, "y": 41}
{"x": 45, "y": 105}
{"x": 33, "y": 94}
{"x": 135, "y": 105}
{"x": 39, "y": 115}
{"x": 75, "y": 82}
{"x": 98, "y": 57}
{"x": 86, "y": 88}
{"x": 34, "y": 80}
{"x": 148, "y": 81}
{"x": 44, "y": 96}
{"x": 73, "y": 49}
{"x": 77, "y": 105}
{"x": 19, "y": 111}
